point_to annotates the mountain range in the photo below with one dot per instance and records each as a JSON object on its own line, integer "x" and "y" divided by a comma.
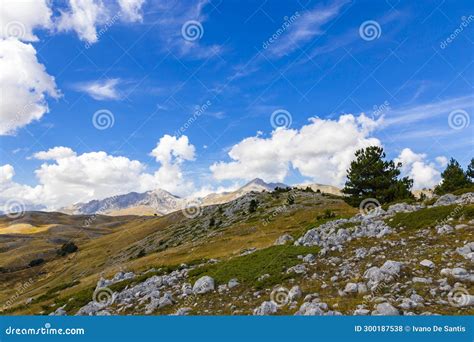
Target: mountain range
{"x": 160, "y": 202}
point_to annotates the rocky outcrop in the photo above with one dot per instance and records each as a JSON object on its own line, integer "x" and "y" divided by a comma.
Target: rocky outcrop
{"x": 203, "y": 285}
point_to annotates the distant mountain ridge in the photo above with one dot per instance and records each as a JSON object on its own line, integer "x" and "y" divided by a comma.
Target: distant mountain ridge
{"x": 256, "y": 185}
{"x": 152, "y": 202}
{"x": 161, "y": 202}
{"x": 328, "y": 189}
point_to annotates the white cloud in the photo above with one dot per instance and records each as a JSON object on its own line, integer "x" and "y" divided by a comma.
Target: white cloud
{"x": 426, "y": 111}
{"x": 209, "y": 189}
{"x": 305, "y": 28}
{"x": 74, "y": 179}
{"x": 321, "y": 151}
{"x": 442, "y": 161}
{"x": 9, "y": 190}
{"x": 68, "y": 178}
{"x": 55, "y": 153}
{"x": 172, "y": 150}
{"x": 18, "y": 19}
{"x": 6, "y": 173}
{"x": 132, "y": 9}
{"x": 25, "y": 85}
{"x": 82, "y": 17}
{"x": 415, "y": 166}
{"x": 101, "y": 90}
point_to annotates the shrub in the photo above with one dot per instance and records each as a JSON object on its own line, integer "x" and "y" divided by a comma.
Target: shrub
{"x": 326, "y": 215}
{"x": 36, "y": 262}
{"x": 67, "y": 248}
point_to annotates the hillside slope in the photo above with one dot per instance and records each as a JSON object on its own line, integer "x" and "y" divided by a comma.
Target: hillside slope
{"x": 297, "y": 253}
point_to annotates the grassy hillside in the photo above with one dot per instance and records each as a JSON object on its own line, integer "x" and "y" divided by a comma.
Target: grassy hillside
{"x": 109, "y": 244}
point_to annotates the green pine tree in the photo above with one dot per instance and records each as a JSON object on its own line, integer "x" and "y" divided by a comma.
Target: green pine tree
{"x": 453, "y": 178}
{"x": 470, "y": 170}
{"x": 253, "y": 206}
{"x": 370, "y": 176}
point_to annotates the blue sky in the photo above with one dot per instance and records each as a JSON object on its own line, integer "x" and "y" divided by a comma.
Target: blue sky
{"x": 402, "y": 72}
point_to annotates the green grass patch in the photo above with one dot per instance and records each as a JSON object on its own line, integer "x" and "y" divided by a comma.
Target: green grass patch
{"x": 52, "y": 292}
{"x": 76, "y": 301}
{"x": 430, "y": 217}
{"x": 248, "y": 268}
{"x": 463, "y": 191}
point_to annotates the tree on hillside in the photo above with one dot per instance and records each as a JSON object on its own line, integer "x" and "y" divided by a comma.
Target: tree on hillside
{"x": 370, "y": 176}
{"x": 453, "y": 178}
{"x": 470, "y": 170}
{"x": 253, "y": 206}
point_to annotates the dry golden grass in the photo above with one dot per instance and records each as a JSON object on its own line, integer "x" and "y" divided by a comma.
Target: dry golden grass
{"x": 123, "y": 237}
{"x": 23, "y": 228}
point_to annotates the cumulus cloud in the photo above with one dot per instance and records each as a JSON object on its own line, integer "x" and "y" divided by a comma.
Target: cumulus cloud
{"x": 66, "y": 177}
{"x": 19, "y": 18}
{"x": 6, "y": 173}
{"x": 101, "y": 90}
{"x": 25, "y": 82}
{"x": 171, "y": 149}
{"x": 10, "y": 191}
{"x": 416, "y": 166}
{"x": 84, "y": 16}
{"x": 74, "y": 179}
{"x": 442, "y": 161}
{"x": 132, "y": 9}
{"x": 171, "y": 152}
{"x": 55, "y": 153}
{"x": 320, "y": 151}
{"x": 25, "y": 86}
